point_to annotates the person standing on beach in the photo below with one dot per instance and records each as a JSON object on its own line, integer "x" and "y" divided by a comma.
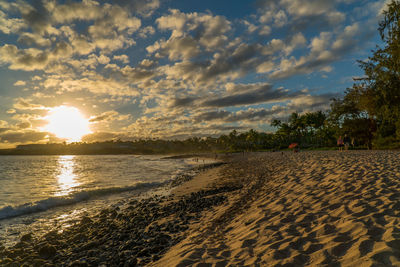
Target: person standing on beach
{"x": 346, "y": 141}
{"x": 340, "y": 143}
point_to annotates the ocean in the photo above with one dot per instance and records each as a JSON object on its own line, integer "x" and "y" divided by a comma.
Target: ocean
{"x": 44, "y": 193}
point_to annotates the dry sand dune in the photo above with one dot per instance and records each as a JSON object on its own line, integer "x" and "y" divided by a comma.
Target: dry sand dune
{"x": 310, "y": 208}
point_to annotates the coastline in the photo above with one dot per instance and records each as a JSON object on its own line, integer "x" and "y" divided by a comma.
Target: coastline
{"x": 275, "y": 209}
{"x": 69, "y": 221}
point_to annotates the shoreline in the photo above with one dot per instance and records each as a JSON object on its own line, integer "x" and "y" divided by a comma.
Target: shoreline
{"x": 29, "y": 241}
{"x": 268, "y": 209}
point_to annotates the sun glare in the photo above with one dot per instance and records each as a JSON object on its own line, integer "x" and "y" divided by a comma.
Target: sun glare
{"x": 67, "y": 123}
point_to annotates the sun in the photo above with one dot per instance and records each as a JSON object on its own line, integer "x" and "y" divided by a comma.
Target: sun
{"x": 67, "y": 123}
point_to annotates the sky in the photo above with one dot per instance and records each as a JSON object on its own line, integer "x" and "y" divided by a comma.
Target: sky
{"x": 173, "y": 69}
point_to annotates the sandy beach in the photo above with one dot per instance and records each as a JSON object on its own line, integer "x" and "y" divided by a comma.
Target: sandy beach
{"x": 301, "y": 209}
{"x": 322, "y": 208}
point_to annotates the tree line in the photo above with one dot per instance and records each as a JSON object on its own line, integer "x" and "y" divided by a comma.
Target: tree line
{"x": 369, "y": 111}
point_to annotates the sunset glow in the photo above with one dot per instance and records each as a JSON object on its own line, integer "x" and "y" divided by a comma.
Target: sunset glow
{"x": 67, "y": 123}
{"x": 175, "y": 69}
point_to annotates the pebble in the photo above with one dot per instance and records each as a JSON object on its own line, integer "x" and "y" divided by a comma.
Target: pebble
{"x": 47, "y": 251}
{"x": 128, "y": 236}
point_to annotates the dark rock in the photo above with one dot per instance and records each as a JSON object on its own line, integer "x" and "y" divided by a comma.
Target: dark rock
{"x": 113, "y": 214}
{"x": 78, "y": 263}
{"x": 131, "y": 262}
{"x": 21, "y": 244}
{"x": 78, "y": 237}
{"x": 26, "y": 237}
{"x": 47, "y": 251}
{"x": 39, "y": 262}
{"x": 86, "y": 220}
{"x": 52, "y": 236}
{"x": 144, "y": 253}
{"x": 6, "y": 260}
{"x": 14, "y": 264}
{"x": 90, "y": 245}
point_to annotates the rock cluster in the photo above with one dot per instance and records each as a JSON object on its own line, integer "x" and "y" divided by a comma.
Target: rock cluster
{"x": 137, "y": 234}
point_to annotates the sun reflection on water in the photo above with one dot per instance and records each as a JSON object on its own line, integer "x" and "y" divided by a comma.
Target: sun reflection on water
{"x": 66, "y": 178}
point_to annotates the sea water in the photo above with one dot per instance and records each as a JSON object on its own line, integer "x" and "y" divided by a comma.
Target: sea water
{"x": 40, "y": 192}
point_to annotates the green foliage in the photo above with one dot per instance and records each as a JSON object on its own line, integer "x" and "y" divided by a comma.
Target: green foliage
{"x": 370, "y": 110}
{"x": 309, "y": 130}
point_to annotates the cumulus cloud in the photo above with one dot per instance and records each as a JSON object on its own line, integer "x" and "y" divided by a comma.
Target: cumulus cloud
{"x": 232, "y": 63}
{"x": 210, "y": 31}
{"x": 102, "y": 136}
{"x": 122, "y": 58}
{"x": 311, "y": 102}
{"x": 26, "y": 59}
{"x": 32, "y": 39}
{"x": 108, "y": 116}
{"x": 142, "y": 7}
{"x": 300, "y": 14}
{"x": 9, "y": 25}
{"x": 20, "y": 83}
{"x": 248, "y": 115}
{"x": 13, "y": 136}
{"x": 239, "y": 95}
{"x": 70, "y": 11}
{"x": 25, "y": 104}
{"x": 324, "y": 49}
{"x": 253, "y": 94}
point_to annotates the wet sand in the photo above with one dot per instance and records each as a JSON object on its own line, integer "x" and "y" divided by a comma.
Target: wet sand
{"x": 323, "y": 208}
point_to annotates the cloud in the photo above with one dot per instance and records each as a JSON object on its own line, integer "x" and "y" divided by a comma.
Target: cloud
{"x": 23, "y": 125}
{"x": 176, "y": 48}
{"x": 12, "y": 136}
{"x": 116, "y": 20}
{"x": 254, "y": 94}
{"x": 206, "y": 29}
{"x": 37, "y": 17}
{"x": 188, "y": 71}
{"x": 232, "y": 63}
{"x": 238, "y": 95}
{"x": 95, "y": 83}
{"x": 70, "y": 11}
{"x": 311, "y": 102}
{"x": 325, "y": 49}
{"x": 242, "y": 116}
{"x": 308, "y": 7}
{"x": 122, "y": 58}
{"x": 31, "y": 39}
{"x": 102, "y": 136}
{"x": 24, "y": 104}
{"x": 109, "y": 116}
{"x": 31, "y": 58}
{"x": 3, "y": 124}
{"x": 147, "y": 31}
{"x": 27, "y": 59}
{"x": 20, "y": 83}
{"x": 10, "y": 25}
{"x": 142, "y": 7}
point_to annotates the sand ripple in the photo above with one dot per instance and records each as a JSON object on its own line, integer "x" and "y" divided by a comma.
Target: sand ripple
{"x": 303, "y": 209}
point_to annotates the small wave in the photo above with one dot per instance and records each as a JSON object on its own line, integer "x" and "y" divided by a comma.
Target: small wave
{"x": 45, "y": 204}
